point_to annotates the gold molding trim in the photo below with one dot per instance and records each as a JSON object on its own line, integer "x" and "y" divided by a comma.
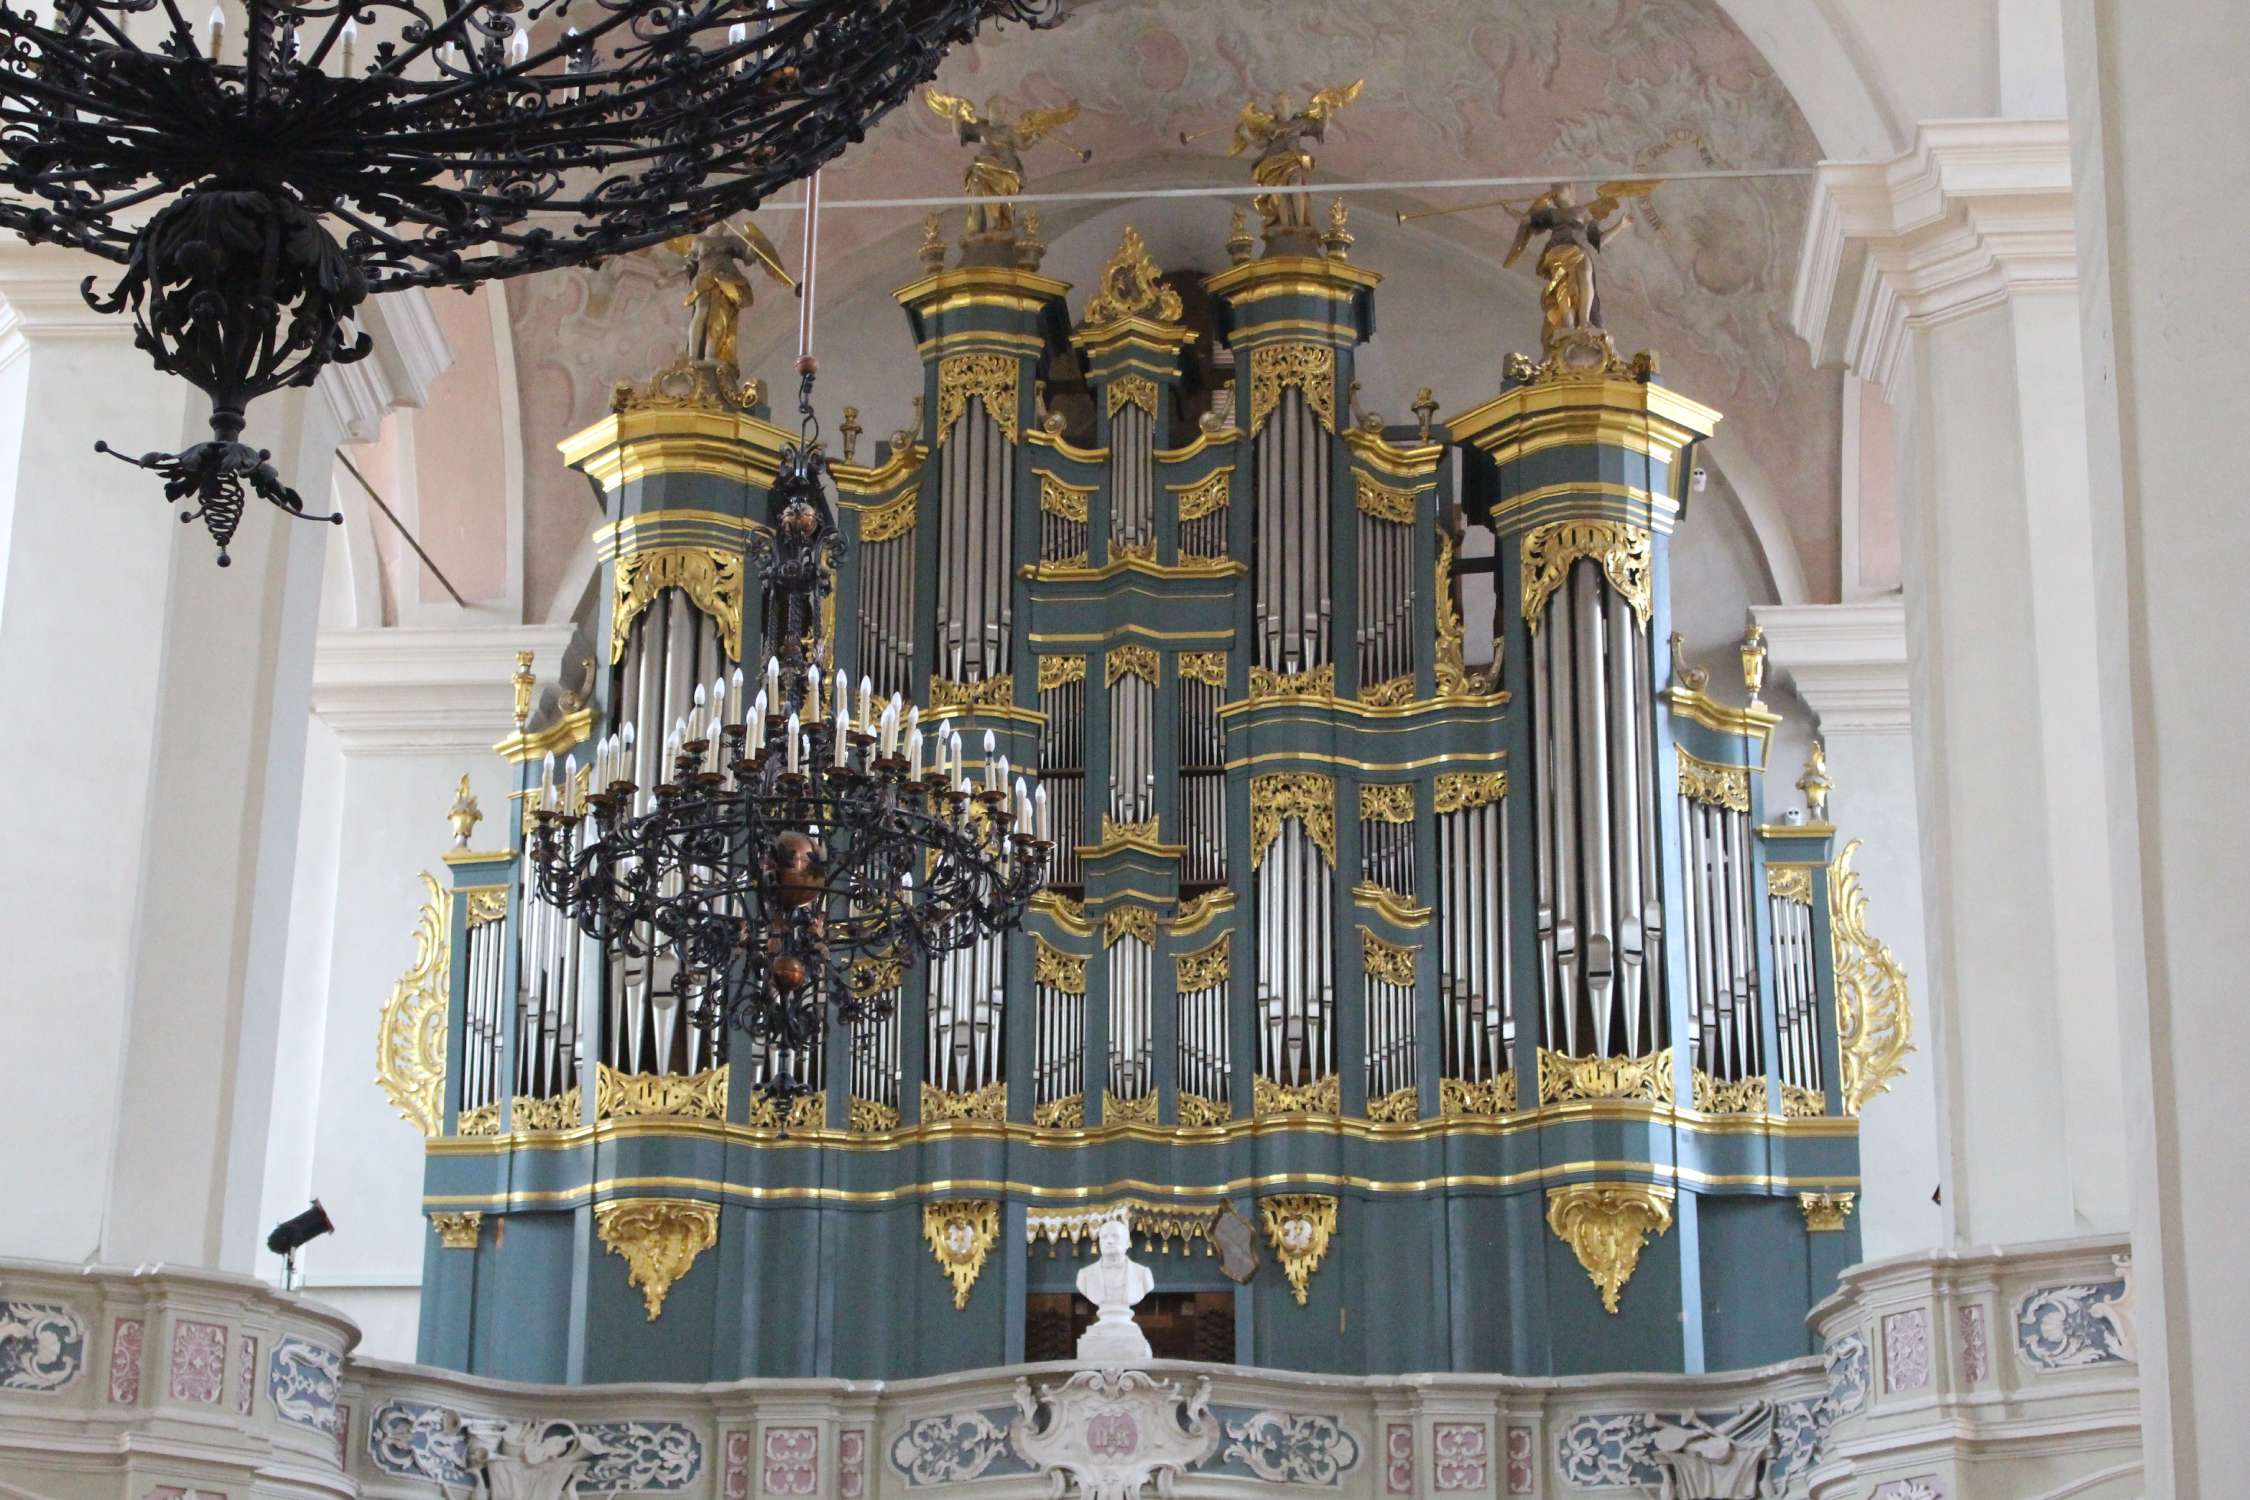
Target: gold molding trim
{"x": 659, "y": 1239}
{"x": 1277, "y": 796}
{"x": 1388, "y": 963}
{"x": 889, "y": 521}
{"x": 1386, "y": 802}
{"x": 961, "y": 1232}
{"x": 1825, "y": 1213}
{"x": 989, "y": 1104}
{"x": 1563, "y": 1079}
{"x": 1055, "y": 969}
{"x": 1207, "y": 967}
{"x": 1196, "y": 913}
{"x": 1065, "y": 913}
{"x": 1060, "y": 671}
{"x": 710, "y": 576}
{"x": 1314, "y": 682}
{"x": 1398, "y": 1107}
{"x": 1193, "y": 502}
{"x": 1136, "y": 390}
{"x": 1299, "y": 1227}
{"x": 1460, "y": 1099}
{"x": 1323, "y": 1096}
{"x": 1713, "y": 783}
{"x": 1139, "y": 661}
{"x": 458, "y": 1231}
{"x": 1874, "y": 1010}
{"x": 410, "y": 1030}
{"x": 1207, "y": 667}
{"x": 1458, "y": 791}
{"x": 1395, "y": 907}
{"x": 1790, "y": 883}
{"x": 1605, "y": 1225}
{"x": 1622, "y": 552}
{"x": 1386, "y": 502}
{"x": 992, "y": 692}
{"x": 990, "y": 378}
{"x": 1309, "y": 367}
{"x": 1724, "y": 1096}
{"x": 690, "y": 1096}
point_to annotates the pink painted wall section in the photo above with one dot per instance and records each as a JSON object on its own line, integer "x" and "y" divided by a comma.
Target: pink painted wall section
{"x": 381, "y": 464}
{"x": 1879, "y": 569}
{"x": 459, "y": 476}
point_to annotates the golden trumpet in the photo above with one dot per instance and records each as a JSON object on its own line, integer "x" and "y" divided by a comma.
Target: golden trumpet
{"x": 1190, "y": 137}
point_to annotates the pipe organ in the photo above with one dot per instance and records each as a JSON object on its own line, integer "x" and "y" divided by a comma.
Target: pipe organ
{"x": 1500, "y": 965}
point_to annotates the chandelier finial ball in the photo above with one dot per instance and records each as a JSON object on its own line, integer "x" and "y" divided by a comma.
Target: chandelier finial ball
{"x": 789, "y": 972}
{"x": 807, "y": 365}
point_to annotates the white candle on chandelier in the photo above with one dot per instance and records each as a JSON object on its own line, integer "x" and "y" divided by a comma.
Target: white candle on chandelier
{"x": 812, "y": 692}
{"x": 889, "y": 730}
{"x": 795, "y": 753}
{"x": 844, "y": 692}
{"x": 519, "y": 46}
{"x": 625, "y": 735}
{"x": 914, "y": 754}
{"x": 999, "y": 779}
{"x": 843, "y": 735}
{"x": 570, "y": 783}
{"x": 1042, "y": 818}
{"x": 215, "y": 31}
{"x": 734, "y": 697}
{"x": 867, "y": 701}
{"x": 773, "y": 681}
{"x": 547, "y": 782}
{"x": 1023, "y": 806}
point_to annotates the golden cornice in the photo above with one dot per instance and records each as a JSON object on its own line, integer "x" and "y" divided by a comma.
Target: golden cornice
{"x": 1354, "y": 709}
{"x": 476, "y": 856}
{"x": 672, "y": 525}
{"x": 1642, "y": 416}
{"x": 980, "y": 286}
{"x": 1594, "y": 500}
{"x": 1129, "y": 837}
{"x": 1220, "y": 437}
{"x": 1006, "y": 712}
{"x": 1415, "y": 461}
{"x": 1039, "y": 437}
{"x": 1066, "y": 914}
{"x": 561, "y": 736}
{"x": 1805, "y": 831}
{"x": 1398, "y": 910}
{"x": 1133, "y": 332}
{"x": 1198, "y": 912}
{"x": 625, "y": 446}
{"x": 1018, "y": 346}
{"x": 1354, "y": 763}
{"x": 1059, "y": 572}
{"x": 1720, "y": 718}
{"x": 856, "y": 479}
{"x": 1290, "y": 276}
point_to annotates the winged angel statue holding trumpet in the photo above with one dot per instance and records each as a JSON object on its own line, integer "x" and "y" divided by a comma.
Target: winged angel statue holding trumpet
{"x": 719, "y": 259}
{"x": 996, "y": 171}
{"x": 1279, "y": 136}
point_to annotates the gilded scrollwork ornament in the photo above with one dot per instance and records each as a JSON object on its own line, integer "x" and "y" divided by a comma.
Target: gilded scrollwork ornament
{"x": 992, "y": 692}
{"x": 1713, "y": 784}
{"x": 990, "y": 378}
{"x": 410, "y": 1031}
{"x": 1313, "y": 682}
{"x": 1385, "y": 502}
{"x": 688, "y": 1096}
{"x": 1279, "y": 796}
{"x": 1386, "y": 962}
{"x": 1485, "y": 1098}
{"x": 1205, "y": 497}
{"x": 1060, "y": 671}
{"x": 961, "y": 1233}
{"x": 1065, "y": 502}
{"x": 1207, "y": 667}
{"x": 1299, "y": 1227}
{"x": 1322, "y": 1096}
{"x": 1311, "y": 368}
{"x": 1132, "y": 286}
{"x": 891, "y": 520}
{"x": 1135, "y": 661}
{"x": 659, "y": 1239}
{"x": 1386, "y": 802}
{"x": 710, "y": 576}
{"x": 1205, "y": 968}
{"x": 988, "y": 1105}
{"x": 1606, "y": 1225}
{"x": 1621, "y": 550}
{"x": 1054, "y": 969}
{"x": 1564, "y": 1079}
{"x": 1458, "y": 791}
{"x": 1874, "y": 1014}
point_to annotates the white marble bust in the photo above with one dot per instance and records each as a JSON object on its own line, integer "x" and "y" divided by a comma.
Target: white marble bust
{"x": 1113, "y": 1284}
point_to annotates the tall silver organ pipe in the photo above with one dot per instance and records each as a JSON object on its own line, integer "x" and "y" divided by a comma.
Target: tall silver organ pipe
{"x": 548, "y": 1046}
{"x": 1062, "y": 521}
{"x": 1296, "y": 989}
{"x": 976, "y": 546}
{"x": 1202, "y": 760}
{"x": 1292, "y": 606}
{"x": 1599, "y": 919}
{"x": 875, "y": 1052}
{"x": 1132, "y": 432}
{"x": 1386, "y": 836}
{"x": 1062, "y": 757}
{"x": 1131, "y": 677}
{"x": 1131, "y": 963}
{"x": 1476, "y": 989}
{"x": 1789, "y": 908}
{"x": 1719, "y": 931}
{"x": 1203, "y": 1050}
{"x": 484, "y": 961}
{"x": 1058, "y": 994}
{"x": 1202, "y": 515}
{"x": 1385, "y": 632}
{"x": 968, "y": 990}
{"x": 1389, "y": 973}
{"x": 886, "y": 596}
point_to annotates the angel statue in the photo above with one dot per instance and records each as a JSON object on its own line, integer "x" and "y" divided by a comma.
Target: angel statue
{"x": 1570, "y": 294}
{"x": 1283, "y": 162}
{"x": 996, "y": 171}
{"x": 718, "y": 262}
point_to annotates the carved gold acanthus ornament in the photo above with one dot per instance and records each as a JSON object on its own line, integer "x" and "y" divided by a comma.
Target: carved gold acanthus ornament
{"x": 1309, "y": 367}
{"x": 1316, "y": 682}
{"x": 793, "y": 1115}
{"x": 1713, "y": 784}
{"x": 875, "y": 973}
{"x": 1134, "y": 390}
{"x": 1060, "y": 671}
{"x": 889, "y": 521}
{"x": 410, "y": 1032}
{"x": 1389, "y": 694}
{"x": 1386, "y": 802}
{"x": 1146, "y": 830}
{"x": 1825, "y": 1213}
{"x": 870, "y": 1116}
{"x": 1135, "y": 661}
{"x": 1299, "y": 1227}
{"x": 1563, "y": 1079}
{"x": 1323, "y": 1096}
{"x": 1385, "y": 502}
{"x": 1386, "y": 963}
{"x": 487, "y": 905}
{"x": 1799, "y": 1103}
{"x": 1791, "y": 883}
{"x": 1619, "y": 549}
{"x": 1205, "y": 497}
{"x": 1458, "y": 791}
{"x": 1206, "y": 968}
{"x": 457, "y": 1231}
{"x": 1066, "y": 502}
{"x": 993, "y": 692}
{"x": 563, "y": 1111}
{"x": 484, "y": 1119}
{"x": 990, "y": 378}
{"x": 1132, "y": 286}
{"x": 659, "y": 1239}
{"x": 1605, "y": 1225}
{"x": 1488, "y": 1098}
{"x": 688, "y": 1096}
{"x": 1054, "y": 969}
{"x": 1116, "y": 1111}
{"x": 1453, "y": 675}
{"x": 710, "y": 576}
{"x": 1398, "y": 1107}
{"x": 1197, "y": 1110}
{"x": 961, "y": 1234}
{"x": 1724, "y": 1096}
{"x": 1128, "y": 921}
{"x": 1874, "y": 1014}
{"x": 988, "y": 1104}
{"x": 689, "y": 385}
{"x": 1066, "y": 1113}
{"x": 1278, "y": 796}
{"x": 1206, "y": 667}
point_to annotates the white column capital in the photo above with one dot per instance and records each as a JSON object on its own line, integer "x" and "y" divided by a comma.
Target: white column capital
{"x": 441, "y": 690}
{"x": 1847, "y": 661}
{"x": 1977, "y": 211}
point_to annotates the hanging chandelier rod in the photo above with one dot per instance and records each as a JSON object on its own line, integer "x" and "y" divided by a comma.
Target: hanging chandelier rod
{"x": 392, "y": 516}
{"x": 1428, "y": 184}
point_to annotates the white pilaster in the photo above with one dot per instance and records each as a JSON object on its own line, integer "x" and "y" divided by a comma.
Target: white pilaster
{"x": 158, "y": 698}
{"x": 1848, "y": 663}
{"x": 1949, "y": 275}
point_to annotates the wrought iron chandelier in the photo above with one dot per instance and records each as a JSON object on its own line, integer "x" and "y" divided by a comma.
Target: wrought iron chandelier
{"x": 798, "y": 845}
{"x": 344, "y": 147}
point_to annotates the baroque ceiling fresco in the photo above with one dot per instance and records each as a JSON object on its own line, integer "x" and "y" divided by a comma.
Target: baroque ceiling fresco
{"x": 1524, "y": 86}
